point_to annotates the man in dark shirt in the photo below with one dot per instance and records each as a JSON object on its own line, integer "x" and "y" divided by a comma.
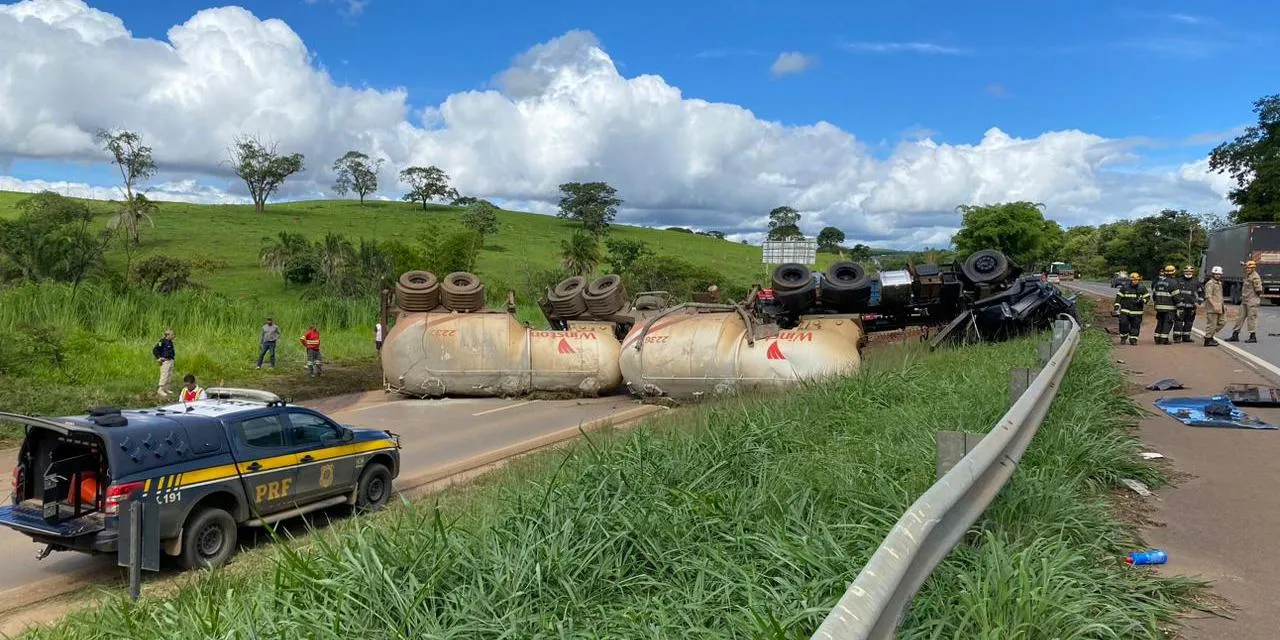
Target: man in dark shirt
{"x": 163, "y": 353}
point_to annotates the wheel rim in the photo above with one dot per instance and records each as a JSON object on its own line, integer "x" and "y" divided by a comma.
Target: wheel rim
{"x": 984, "y": 264}
{"x": 376, "y": 488}
{"x": 209, "y": 542}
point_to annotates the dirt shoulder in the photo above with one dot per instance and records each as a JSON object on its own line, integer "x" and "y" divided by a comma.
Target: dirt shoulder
{"x": 1219, "y": 521}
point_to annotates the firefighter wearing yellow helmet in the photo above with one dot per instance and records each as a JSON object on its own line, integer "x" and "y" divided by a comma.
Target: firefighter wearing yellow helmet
{"x": 1163, "y": 293}
{"x": 1131, "y": 298}
{"x": 1190, "y": 295}
{"x": 1250, "y": 300}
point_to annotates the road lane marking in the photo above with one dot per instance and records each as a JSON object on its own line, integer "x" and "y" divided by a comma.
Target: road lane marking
{"x": 510, "y": 406}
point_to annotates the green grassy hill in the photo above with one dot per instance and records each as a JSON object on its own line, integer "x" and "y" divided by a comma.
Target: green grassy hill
{"x": 234, "y": 234}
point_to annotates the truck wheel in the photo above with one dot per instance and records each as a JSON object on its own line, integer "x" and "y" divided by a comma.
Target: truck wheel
{"x": 1235, "y": 292}
{"x": 208, "y": 539}
{"x": 374, "y": 489}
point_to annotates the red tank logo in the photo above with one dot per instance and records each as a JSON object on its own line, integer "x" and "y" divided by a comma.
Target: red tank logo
{"x": 577, "y": 335}
{"x": 564, "y": 346}
{"x": 774, "y": 353}
{"x": 796, "y": 336}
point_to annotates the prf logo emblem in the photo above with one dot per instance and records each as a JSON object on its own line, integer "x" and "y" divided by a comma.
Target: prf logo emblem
{"x": 326, "y": 475}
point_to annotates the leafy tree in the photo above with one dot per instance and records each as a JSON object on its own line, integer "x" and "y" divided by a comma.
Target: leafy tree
{"x": 136, "y": 165}
{"x": 448, "y": 252}
{"x": 672, "y": 274}
{"x": 580, "y": 254}
{"x": 356, "y": 172}
{"x": 678, "y": 229}
{"x": 1253, "y": 160}
{"x": 718, "y": 235}
{"x": 784, "y": 222}
{"x": 51, "y": 239}
{"x": 859, "y": 253}
{"x": 262, "y": 168}
{"x": 830, "y": 239}
{"x": 464, "y": 201}
{"x": 1147, "y": 244}
{"x": 594, "y": 204}
{"x": 623, "y": 252}
{"x": 426, "y": 184}
{"x": 1017, "y": 229}
{"x": 333, "y": 254}
{"x": 291, "y": 256}
{"x": 481, "y": 217}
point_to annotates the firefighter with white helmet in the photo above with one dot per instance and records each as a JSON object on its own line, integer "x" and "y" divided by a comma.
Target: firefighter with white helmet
{"x": 1214, "y": 307}
{"x": 1163, "y": 293}
{"x": 1190, "y": 295}
{"x": 1250, "y": 300}
{"x": 1131, "y": 299}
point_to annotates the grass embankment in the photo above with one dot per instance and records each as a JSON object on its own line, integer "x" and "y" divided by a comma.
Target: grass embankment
{"x": 740, "y": 519}
{"x": 60, "y": 352}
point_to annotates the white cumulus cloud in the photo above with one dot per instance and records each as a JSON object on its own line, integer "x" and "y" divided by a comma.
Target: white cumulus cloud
{"x": 561, "y": 112}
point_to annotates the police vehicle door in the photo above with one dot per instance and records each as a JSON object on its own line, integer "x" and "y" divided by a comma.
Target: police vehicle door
{"x": 267, "y": 463}
{"x": 324, "y": 467}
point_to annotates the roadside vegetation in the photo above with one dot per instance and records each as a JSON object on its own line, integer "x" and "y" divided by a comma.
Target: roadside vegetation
{"x": 743, "y": 518}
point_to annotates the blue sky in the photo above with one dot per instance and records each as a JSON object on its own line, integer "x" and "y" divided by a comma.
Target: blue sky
{"x": 1167, "y": 79}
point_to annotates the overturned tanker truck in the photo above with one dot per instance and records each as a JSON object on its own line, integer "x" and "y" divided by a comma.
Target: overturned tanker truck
{"x": 806, "y": 326}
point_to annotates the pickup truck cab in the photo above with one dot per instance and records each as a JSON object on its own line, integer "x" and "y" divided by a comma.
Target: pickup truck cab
{"x": 240, "y": 458}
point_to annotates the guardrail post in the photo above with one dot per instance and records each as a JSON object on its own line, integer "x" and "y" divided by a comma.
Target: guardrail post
{"x": 1019, "y": 379}
{"x": 1045, "y": 351}
{"x": 952, "y": 446}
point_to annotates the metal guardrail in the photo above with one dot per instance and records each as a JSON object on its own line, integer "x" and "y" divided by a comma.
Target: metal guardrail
{"x": 874, "y": 604}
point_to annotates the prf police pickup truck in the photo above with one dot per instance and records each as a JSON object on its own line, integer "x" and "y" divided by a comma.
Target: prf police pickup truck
{"x": 240, "y": 458}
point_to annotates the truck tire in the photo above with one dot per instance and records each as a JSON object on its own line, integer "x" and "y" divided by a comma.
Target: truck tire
{"x": 791, "y": 276}
{"x": 374, "y": 489}
{"x": 208, "y": 539}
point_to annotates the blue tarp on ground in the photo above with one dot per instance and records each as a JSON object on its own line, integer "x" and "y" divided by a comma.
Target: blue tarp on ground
{"x": 1216, "y": 411}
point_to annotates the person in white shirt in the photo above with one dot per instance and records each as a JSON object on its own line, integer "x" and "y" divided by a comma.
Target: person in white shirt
{"x": 377, "y": 335}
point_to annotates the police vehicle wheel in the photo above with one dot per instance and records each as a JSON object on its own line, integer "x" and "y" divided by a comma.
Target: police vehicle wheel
{"x": 209, "y": 539}
{"x": 375, "y": 488}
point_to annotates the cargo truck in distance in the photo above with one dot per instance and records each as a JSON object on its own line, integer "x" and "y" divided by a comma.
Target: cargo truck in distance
{"x": 1230, "y": 247}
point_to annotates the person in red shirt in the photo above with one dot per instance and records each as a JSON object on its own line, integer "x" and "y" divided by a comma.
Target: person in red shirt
{"x": 190, "y": 390}
{"x": 311, "y": 342}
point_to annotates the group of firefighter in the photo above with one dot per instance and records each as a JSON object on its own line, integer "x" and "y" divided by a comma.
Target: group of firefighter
{"x": 1176, "y": 300}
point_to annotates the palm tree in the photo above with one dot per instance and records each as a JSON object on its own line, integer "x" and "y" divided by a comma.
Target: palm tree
{"x": 287, "y": 252}
{"x": 580, "y": 254}
{"x": 332, "y": 254}
{"x": 130, "y": 214}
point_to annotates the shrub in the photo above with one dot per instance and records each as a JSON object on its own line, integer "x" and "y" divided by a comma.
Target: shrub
{"x": 163, "y": 274}
{"x": 677, "y": 276}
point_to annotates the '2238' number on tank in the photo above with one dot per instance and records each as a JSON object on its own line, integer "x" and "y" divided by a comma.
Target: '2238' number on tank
{"x": 656, "y": 339}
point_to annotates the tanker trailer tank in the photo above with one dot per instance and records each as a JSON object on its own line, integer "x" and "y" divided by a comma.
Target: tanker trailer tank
{"x": 692, "y": 351}
{"x": 489, "y": 353}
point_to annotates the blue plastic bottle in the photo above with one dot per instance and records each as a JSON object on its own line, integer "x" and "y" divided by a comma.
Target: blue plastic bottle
{"x": 1154, "y": 556}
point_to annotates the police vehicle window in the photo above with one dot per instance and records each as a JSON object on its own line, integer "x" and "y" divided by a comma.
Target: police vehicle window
{"x": 266, "y": 431}
{"x": 311, "y": 429}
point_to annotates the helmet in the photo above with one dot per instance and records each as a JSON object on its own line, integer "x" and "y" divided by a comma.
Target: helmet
{"x": 1169, "y": 269}
{"x": 1251, "y": 265}
{"x": 1217, "y": 271}
{"x": 1135, "y": 276}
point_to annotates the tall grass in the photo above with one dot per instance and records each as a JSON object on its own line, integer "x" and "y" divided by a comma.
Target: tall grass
{"x": 744, "y": 519}
{"x": 92, "y": 345}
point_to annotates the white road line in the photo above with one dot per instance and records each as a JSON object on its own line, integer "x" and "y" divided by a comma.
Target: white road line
{"x": 510, "y": 406}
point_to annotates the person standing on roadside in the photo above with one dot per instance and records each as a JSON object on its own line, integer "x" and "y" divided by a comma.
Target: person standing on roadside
{"x": 377, "y": 336}
{"x": 164, "y": 353}
{"x": 1190, "y": 295}
{"x": 1214, "y": 307}
{"x": 1250, "y": 300}
{"x": 1131, "y": 299}
{"x": 1163, "y": 293}
{"x": 190, "y": 390}
{"x": 311, "y": 342}
{"x": 267, "y": 338}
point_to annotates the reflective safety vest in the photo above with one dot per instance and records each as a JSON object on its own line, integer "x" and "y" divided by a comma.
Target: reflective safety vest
{"x": 1131, "y": 298}
{"x": 1164, "y": 292}
{"x": 191, "y": 395}
{"x": 311, "y": 341}
{"x": 1190, "y": 292}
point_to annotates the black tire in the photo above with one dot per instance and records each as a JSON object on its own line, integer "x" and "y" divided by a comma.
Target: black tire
{"x": 605, "y": 296}
{"x": 569, "y": 287}
{"x": 566, "y": 298}
{"x": 791, "y": 276}
{"x": 799, "y": 301}
{"x": 208, "y": 539}
{"x": 462, "y": 291}
{"x": 986, "y": 267}
{"x": 374, "y": 489}
{"x": 846, "y": 287}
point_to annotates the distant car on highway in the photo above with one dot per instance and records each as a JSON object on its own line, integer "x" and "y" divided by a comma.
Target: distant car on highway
{"x": 1054, "y": 278}
{"x": 243, "y": 457}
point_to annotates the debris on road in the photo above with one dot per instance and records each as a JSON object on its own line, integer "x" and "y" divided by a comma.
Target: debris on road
{"x": 1216, "y": 411}
{"x": 1150, "y": 455}
{"x": 1137, "y": 486}
{"x": 1154, "y": 556}
{"x": 1165, "y": 384}
{"x": 1252, "y": 395}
